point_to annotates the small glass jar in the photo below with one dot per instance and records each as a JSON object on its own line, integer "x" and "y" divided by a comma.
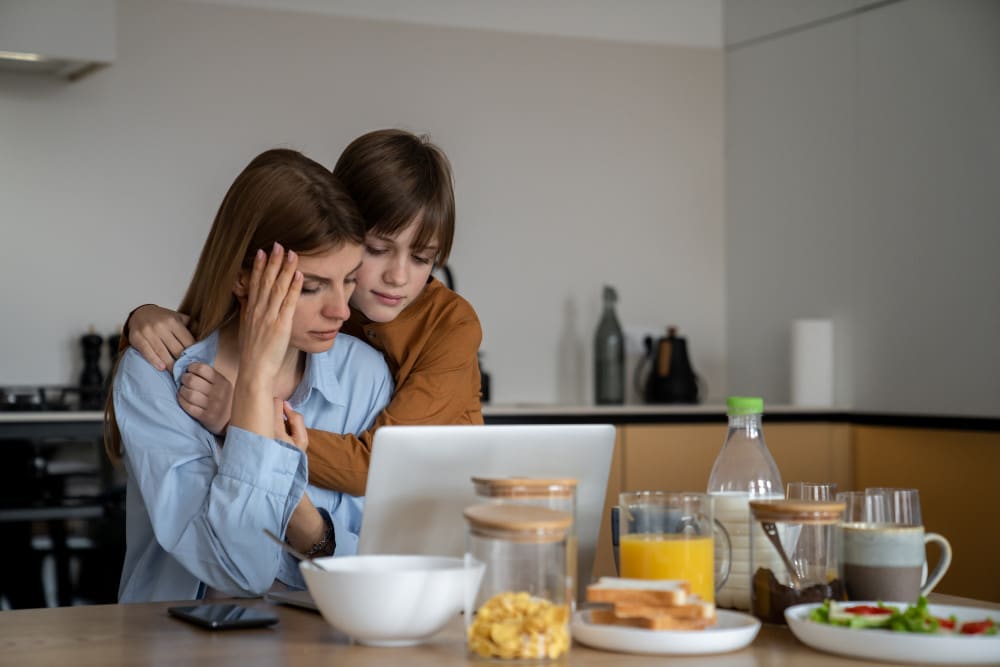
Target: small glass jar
{"x": 799, "y": 559}
{"x": 522, "y": 609}
{"x": 554, "y": 493}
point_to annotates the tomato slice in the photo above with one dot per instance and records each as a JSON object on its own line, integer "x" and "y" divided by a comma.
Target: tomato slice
{"x": 868, "y": 610}
{"x": 976, "y": 627}
{"x": 946, "y": 623}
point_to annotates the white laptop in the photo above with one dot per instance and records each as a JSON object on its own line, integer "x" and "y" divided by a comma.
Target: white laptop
{"x": 419, "y": 481}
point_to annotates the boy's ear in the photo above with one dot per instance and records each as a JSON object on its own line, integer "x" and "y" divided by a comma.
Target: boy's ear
{"x": 242, "y": 285}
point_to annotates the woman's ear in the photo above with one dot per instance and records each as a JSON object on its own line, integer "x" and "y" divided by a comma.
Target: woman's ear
{"x": 242, "y": 285}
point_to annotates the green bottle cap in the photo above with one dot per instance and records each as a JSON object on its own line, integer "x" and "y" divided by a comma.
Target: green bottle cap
{"x": 745, "y": 405}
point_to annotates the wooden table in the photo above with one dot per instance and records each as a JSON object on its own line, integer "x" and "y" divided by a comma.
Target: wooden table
{"x": 143, "y": 634}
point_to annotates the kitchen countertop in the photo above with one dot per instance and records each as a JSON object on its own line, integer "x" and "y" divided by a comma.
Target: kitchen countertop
{"x": 143, "y": 634}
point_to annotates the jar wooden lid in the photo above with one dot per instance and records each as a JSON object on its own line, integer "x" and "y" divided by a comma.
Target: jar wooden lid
{"x": 798, "y": 511}
{"x": 518, "y": 523}
{"x": 525, "y": 487}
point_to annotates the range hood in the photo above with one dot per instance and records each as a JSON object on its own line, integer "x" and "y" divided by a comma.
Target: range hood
{"x": 64, "y": 38}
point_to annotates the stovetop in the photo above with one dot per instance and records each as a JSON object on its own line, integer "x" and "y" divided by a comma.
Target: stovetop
{"x": 50, "y": 398}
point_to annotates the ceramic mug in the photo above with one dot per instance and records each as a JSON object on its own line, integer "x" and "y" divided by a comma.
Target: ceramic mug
{"x": 668, "y": 535}
{"x": 884, "y": 547}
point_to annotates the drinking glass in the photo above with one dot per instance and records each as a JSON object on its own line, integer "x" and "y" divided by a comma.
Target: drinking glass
{"x": 902, "y": 505}
{"x": 861, "y": 507}
{"x": 671, "y": 535}
{"x": 811, "y": 490}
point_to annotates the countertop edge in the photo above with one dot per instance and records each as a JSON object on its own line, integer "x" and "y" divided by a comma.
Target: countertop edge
{"x": 632, "y": 414}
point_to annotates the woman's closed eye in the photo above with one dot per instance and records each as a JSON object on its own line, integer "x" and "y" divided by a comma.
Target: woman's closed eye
{"x": 375, "y": 251}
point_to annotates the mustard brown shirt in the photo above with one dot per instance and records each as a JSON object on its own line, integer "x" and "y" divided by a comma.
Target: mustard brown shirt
{"x": 431, "y": 349}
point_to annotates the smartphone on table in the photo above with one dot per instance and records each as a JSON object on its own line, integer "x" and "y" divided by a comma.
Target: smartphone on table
{"x": 223, "y": 616}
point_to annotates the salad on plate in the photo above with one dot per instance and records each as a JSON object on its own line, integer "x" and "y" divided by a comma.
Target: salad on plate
{"x": 915, "y": 618}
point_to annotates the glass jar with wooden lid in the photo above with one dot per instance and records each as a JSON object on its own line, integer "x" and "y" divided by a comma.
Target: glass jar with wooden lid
{"x": 557, "y": 493}
{"x": 799, "y": 558}
{"x": 523, "y": 606}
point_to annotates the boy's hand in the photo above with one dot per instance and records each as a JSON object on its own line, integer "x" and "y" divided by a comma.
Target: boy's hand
{"x": 207, "y": 395}
{"x": 159, "y": 335}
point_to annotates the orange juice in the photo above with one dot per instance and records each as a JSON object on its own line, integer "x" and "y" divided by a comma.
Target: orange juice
{"x": 656, "y": 556}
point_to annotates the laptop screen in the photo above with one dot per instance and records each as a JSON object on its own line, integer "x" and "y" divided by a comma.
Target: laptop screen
{"x": 420, "y": 481}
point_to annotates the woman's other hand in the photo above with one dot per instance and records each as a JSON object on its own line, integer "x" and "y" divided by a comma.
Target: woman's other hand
{"x": 289, "y": 426}
{"x": 159, "y": 335}
{"x": 207, "y": 395}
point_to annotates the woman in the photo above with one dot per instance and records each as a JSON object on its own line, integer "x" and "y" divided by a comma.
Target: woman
{"x": 429, "y": 335}
{"x": 197, "y": 504}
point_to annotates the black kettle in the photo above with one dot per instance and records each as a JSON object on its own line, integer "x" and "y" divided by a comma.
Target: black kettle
{"x": 670, "y": 378}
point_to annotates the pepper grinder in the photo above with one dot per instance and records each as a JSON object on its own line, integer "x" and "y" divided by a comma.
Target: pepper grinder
{"x": 91, "y": 379}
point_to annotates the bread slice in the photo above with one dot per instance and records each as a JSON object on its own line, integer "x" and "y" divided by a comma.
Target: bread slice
{"x": 656, "y": 592}
{"x": 694, "y": 609}
{"x": 661, "y": 622}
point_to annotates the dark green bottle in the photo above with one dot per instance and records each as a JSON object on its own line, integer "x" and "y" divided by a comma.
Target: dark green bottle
{"x": 609, "y": 355}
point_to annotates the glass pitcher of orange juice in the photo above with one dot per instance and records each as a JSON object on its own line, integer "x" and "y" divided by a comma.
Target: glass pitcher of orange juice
{"x": 671, "y": 535}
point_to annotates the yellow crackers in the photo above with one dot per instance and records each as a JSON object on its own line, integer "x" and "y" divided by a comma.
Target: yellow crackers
{"x": 515, "y": 626}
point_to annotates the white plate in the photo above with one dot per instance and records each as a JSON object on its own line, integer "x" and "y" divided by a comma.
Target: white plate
{"x": 900, "y": 646}
{"x": 733, "y": 631}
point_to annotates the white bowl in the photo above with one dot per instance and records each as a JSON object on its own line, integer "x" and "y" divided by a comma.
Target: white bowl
{"x": 391, "y": 600}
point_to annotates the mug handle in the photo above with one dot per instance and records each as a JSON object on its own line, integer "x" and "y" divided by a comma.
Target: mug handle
{"x": 942, "y": 564}
{"x": 727, "y": 562}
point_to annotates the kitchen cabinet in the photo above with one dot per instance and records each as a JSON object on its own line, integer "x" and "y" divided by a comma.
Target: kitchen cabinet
{"x": 679, "y": 457}
{"x": 957, "y": 473}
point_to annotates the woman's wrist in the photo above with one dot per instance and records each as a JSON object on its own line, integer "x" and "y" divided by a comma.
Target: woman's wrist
{"x": 253, "y": 406}
{"x": 328, "y": 544}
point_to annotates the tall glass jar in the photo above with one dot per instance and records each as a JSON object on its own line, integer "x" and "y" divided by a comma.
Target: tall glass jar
{"x": 554, "y": 493}
{"x": 803, "y": 537}
{"x": 522, "y": 609}
{"x": 743, "y": 471}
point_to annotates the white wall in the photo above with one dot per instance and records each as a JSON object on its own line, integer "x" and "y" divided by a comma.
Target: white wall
{"x": 862, "y": 162}
{"x": 577, "y": 162}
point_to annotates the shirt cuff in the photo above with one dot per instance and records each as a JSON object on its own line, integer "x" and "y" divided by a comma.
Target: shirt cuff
{"x": 265, "y": 463}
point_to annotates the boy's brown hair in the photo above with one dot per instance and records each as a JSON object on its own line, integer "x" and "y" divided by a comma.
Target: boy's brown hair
{"x": 396, "y": 177}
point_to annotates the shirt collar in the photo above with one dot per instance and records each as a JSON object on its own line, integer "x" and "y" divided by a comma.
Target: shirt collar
{"x": 321, "y": 375}
{"x": 203, "y": 351}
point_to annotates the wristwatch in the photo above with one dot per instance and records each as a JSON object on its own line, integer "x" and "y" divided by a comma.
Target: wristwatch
{"x": 328, "y": 544}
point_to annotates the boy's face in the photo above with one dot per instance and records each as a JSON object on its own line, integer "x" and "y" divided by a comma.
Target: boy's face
{"x": 392, "y": 274}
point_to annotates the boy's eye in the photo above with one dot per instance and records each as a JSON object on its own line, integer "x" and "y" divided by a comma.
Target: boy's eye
{"x": 372, "y": 250}
{"x": 422, "y": 260}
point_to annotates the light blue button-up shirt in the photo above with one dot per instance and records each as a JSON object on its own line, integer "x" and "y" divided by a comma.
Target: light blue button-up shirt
{"x": 196, "y": 507}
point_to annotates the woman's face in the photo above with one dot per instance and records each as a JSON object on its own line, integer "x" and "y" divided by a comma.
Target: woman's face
{"x": 329, "y": 279}
{"x": 393, "y": 274}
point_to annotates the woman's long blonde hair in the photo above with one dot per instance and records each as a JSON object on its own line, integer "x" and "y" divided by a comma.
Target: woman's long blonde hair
{"x": 280, "y": 197}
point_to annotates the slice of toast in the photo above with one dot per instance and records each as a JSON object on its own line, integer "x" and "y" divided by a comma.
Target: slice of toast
{"x": 659, "y": 592}
{"x": 694, "y": 609}
{"x": 660, "y": 622}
